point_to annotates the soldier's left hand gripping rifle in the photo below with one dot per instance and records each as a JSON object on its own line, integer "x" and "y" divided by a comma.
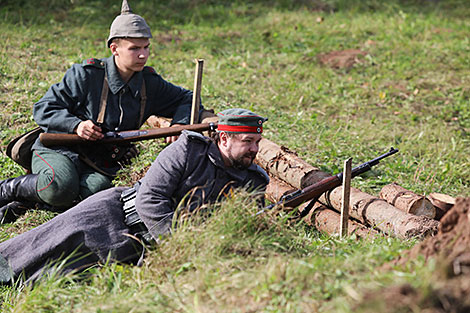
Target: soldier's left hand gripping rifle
{"x": 314, "y": 191}
{"x": 52, "y": 139}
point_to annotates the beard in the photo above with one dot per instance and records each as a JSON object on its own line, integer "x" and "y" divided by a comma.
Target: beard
{"x": 241, "y": 162}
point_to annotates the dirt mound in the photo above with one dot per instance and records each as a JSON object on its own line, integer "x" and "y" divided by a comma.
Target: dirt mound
{"x": 446, "y": 296}
{"x": 452, "y": 242}
{"x": 342, "y": 59}
{"x": 450, "y": 288}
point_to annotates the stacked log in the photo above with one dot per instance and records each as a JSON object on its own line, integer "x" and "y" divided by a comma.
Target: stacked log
{"x": 280, "y": 162}
{"x": 442, "y": 203}
{"x": 276, "y": 189}
{"x": 407, "y": 201}
{"x": 205, "y": 116}
{"x": 158, "y": 122}
{"x": 328, "y": 221}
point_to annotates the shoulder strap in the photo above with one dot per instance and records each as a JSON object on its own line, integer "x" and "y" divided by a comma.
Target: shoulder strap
{"x": 104, "y": 99}
{"x": 143, "y": 100}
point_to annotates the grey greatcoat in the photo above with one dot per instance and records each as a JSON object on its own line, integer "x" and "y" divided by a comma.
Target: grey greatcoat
{"x": 188, "y": 172}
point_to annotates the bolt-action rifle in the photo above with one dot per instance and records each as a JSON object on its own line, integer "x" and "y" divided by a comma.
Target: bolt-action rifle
{"x": 51, "y": 139}
{"x": 314, "y": 191}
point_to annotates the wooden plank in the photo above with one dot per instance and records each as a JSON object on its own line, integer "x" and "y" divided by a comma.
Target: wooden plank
{"x": 197, "y": 91}
{"x": 343, "y": 230}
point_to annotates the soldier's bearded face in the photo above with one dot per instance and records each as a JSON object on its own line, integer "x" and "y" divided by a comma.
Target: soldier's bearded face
{"x": 131, "y": 54}
{"x": 242, "y": 149}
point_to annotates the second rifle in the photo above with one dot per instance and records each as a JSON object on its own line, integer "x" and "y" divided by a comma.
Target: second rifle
{"x": 314, "y": 191}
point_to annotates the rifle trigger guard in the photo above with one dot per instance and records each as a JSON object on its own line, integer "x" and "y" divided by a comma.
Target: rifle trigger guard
{"x": 309, "y": 207}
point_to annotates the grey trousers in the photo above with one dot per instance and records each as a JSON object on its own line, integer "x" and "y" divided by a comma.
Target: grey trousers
{"x": 92, "y": 231}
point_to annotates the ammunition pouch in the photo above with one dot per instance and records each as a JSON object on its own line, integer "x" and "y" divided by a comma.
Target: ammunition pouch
{"x": 20, "y": 148}
{"x": 121, "y": 153}
{"x": 132, "y": 218}
{"x": 107, "y": 159}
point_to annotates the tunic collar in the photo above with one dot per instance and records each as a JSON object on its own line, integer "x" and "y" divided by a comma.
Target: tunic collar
{"x": 115, "y": 81}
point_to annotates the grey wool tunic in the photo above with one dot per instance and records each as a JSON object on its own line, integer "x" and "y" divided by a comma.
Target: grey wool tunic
{"x": 189, "y": 172}
{"x": 78, "y": 97}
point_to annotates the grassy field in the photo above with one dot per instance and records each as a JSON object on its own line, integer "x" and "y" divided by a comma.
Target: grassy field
{"x": 409, "y": 91}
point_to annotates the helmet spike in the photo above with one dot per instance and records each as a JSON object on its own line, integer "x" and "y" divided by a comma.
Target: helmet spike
{"x": 125, "y": 8}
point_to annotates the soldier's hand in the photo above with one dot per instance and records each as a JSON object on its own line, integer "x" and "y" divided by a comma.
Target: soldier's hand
{"x": 89, "y": 131}
{"x": 172, "y": 138}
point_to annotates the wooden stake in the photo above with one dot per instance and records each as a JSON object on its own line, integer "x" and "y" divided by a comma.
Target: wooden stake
{"x": 345, "y": 198}
{"x": 197, "y": 91}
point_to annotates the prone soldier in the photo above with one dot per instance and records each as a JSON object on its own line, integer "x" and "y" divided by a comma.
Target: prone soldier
{"x": 194, "y": 170}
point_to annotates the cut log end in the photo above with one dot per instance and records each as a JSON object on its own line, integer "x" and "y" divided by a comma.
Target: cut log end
{"x": 442, "y": 203}
{"x": 423, "y": 207}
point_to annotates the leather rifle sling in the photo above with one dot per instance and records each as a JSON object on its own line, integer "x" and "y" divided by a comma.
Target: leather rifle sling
{"x": 100, "y": 119}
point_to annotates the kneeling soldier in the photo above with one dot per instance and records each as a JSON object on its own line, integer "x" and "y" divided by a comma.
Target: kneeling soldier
{"x": 112, "y": 94}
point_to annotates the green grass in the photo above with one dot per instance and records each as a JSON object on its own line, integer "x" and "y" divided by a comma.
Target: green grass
{"x": 232, "y": 261}
{"x": 411, "y": 92}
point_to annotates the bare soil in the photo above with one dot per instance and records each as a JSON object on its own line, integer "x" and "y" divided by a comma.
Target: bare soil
{"x": 342, "y": 59}
{"x": 450, "y": 287}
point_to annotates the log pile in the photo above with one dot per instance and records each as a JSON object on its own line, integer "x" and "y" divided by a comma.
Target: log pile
{"x": 321, "y": 217}
{"x": 370, "y": 211}
{"x": 397, "y": 212}
{"x": 375, "y": 212}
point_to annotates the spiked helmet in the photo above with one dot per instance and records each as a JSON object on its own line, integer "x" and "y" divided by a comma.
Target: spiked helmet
{"x": 128, "y": 25}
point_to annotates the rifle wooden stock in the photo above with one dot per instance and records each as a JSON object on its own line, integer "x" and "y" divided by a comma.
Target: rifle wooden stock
{"x": 314, "y": 191}
{"x": 50, "y": 139}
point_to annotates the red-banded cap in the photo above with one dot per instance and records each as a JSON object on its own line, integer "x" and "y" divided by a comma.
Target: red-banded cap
{"x": 240, "y": 121}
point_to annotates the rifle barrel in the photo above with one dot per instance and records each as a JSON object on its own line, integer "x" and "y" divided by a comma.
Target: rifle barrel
{"x": 50, "y": 139}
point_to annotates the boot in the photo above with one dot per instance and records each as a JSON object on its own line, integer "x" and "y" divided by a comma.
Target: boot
{"x": 22, "y": 188}
{"x": 13, "y": 210}
{"x": 6, "y": 277}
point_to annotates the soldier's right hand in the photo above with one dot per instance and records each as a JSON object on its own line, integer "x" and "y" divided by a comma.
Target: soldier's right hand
{"x": 89, "y": 131}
